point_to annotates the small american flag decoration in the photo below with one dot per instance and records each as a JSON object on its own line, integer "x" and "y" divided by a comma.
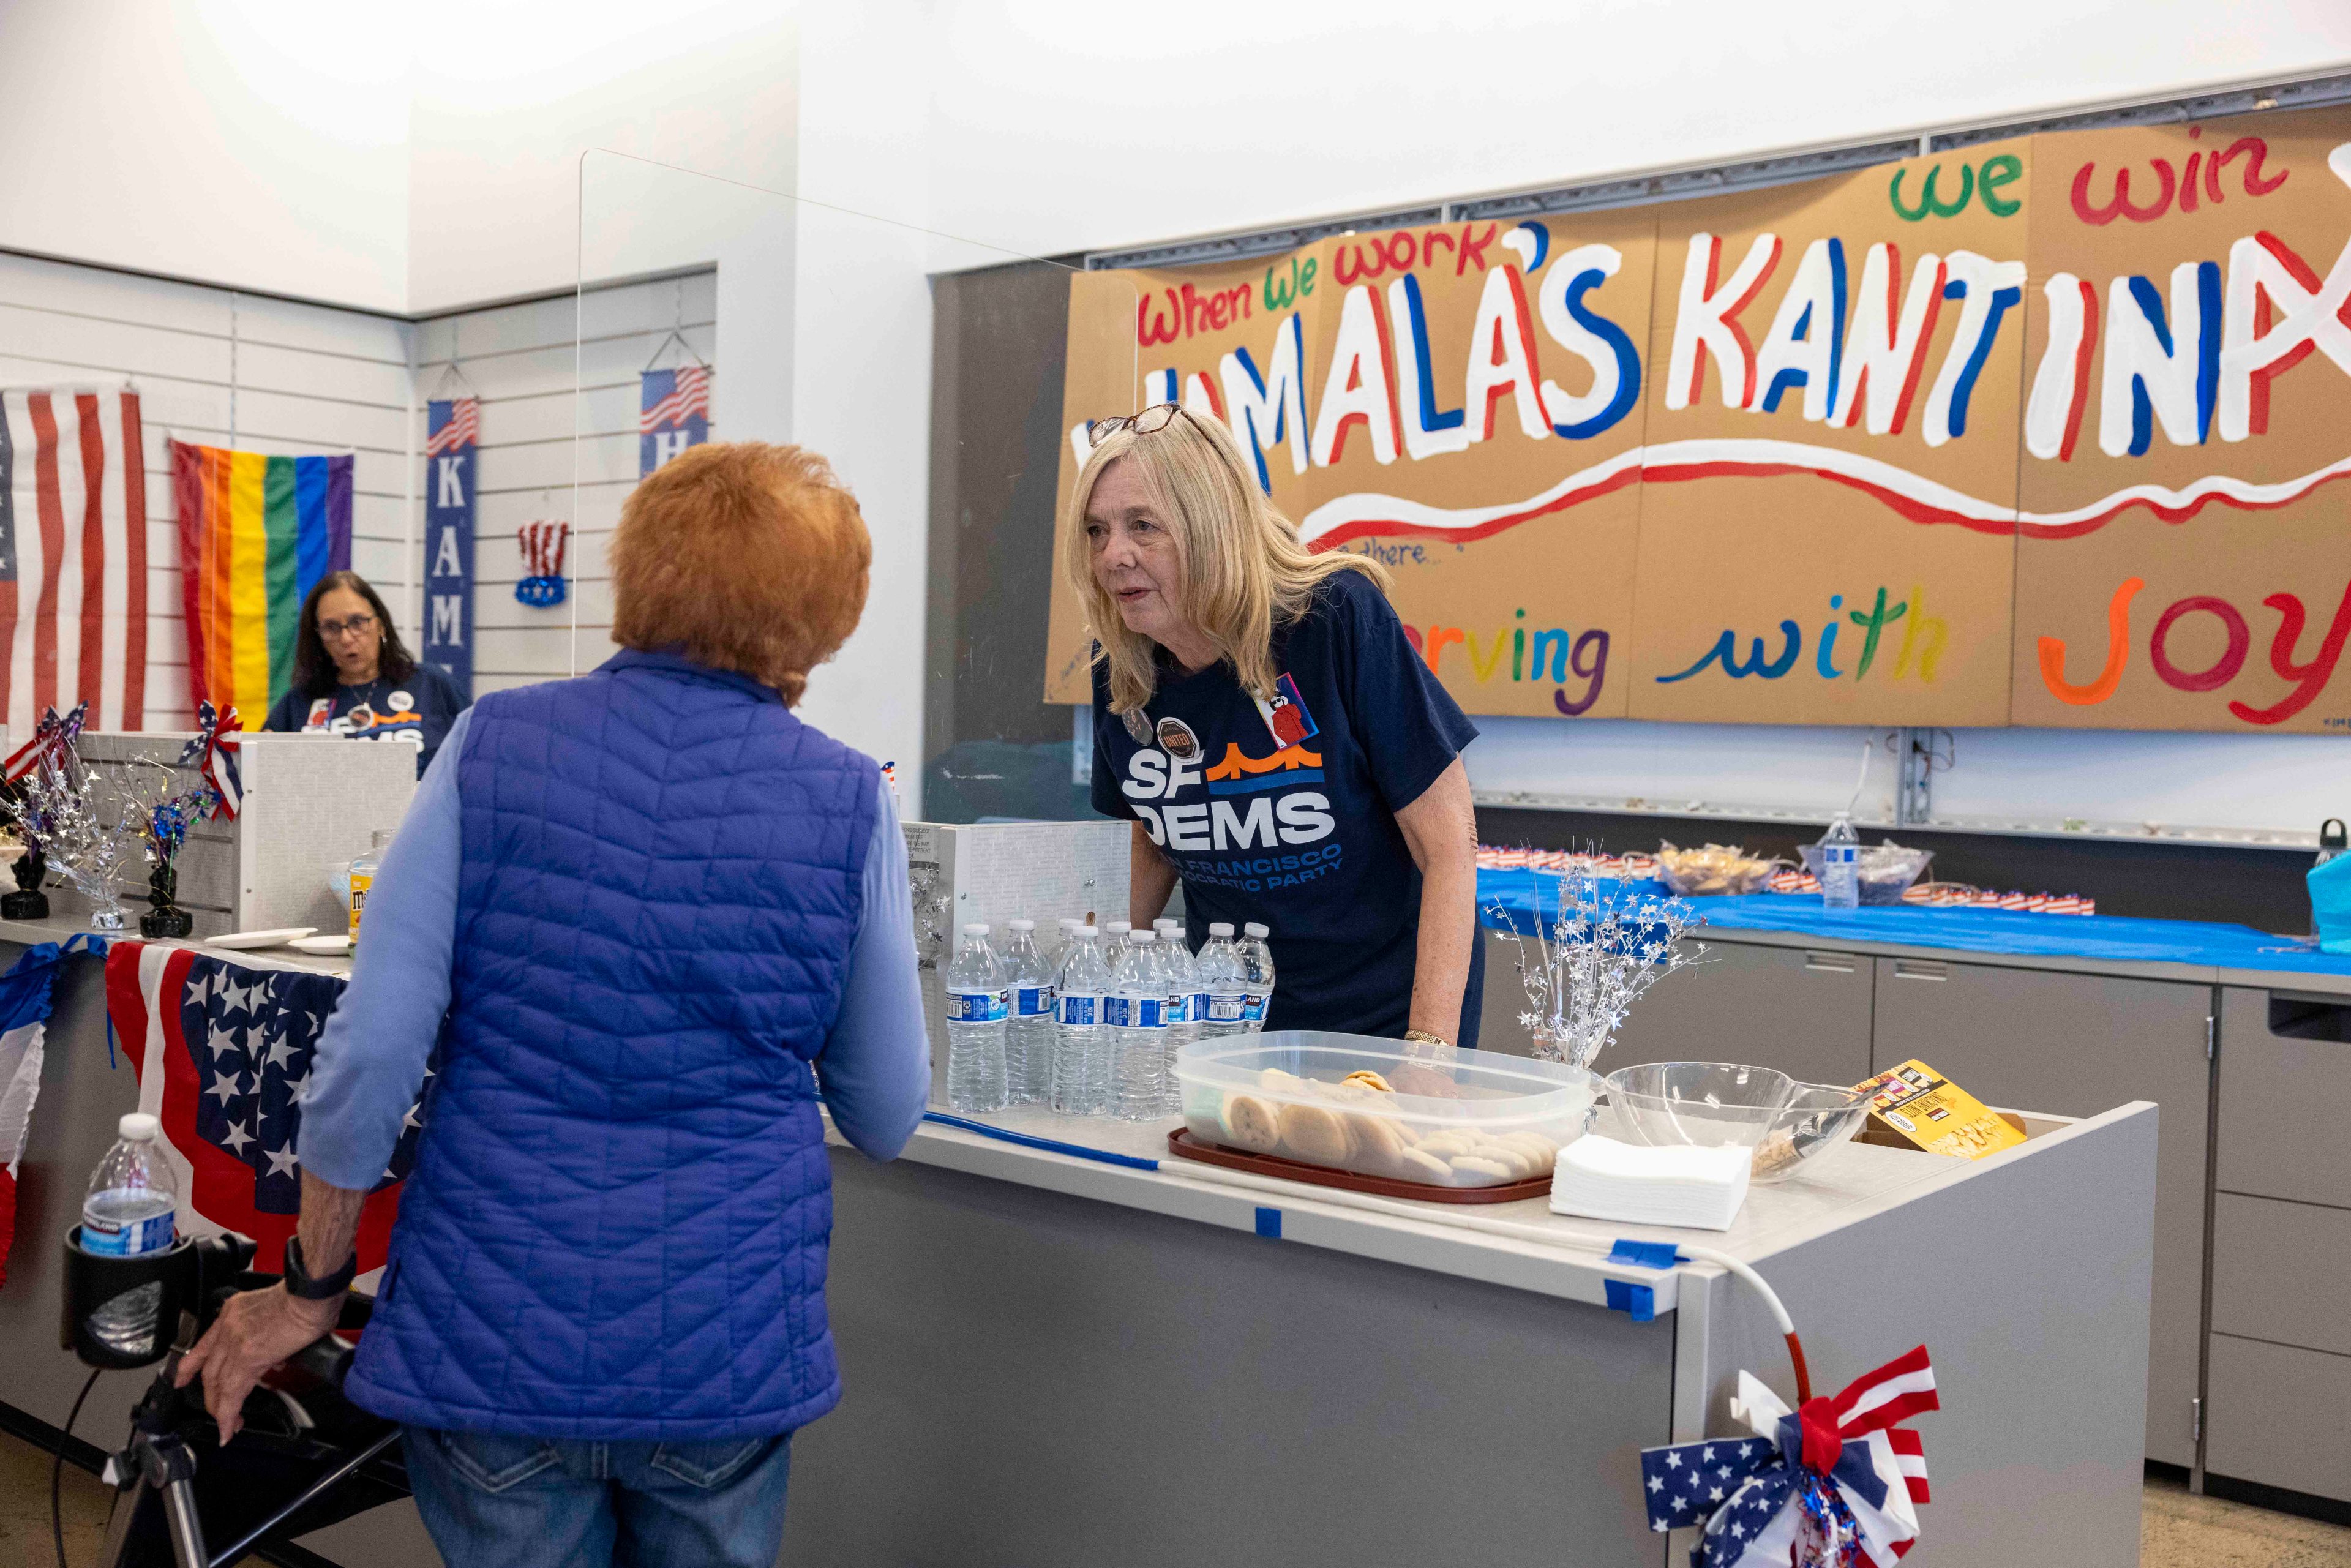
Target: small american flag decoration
{"x": 542, "y": 562}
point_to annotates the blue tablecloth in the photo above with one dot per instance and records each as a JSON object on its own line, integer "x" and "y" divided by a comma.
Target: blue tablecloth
{"x": 1508, "y": 899}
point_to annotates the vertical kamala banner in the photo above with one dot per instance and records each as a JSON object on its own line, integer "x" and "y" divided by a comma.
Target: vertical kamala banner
{"x": 674, "y": 414}
{"x": 453, "y": 434}
{"x": 2040, "y": 432}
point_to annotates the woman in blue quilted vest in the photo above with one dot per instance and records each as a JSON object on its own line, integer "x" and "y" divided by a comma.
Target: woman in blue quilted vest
{"x": 636, "y": 927}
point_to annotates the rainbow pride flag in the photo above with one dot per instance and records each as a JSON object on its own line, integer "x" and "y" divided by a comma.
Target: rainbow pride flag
{"x": 257, "y": 533}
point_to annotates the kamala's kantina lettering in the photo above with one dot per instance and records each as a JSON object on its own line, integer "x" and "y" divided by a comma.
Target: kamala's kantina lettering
{"x": 1923, "y": 639}
{"x": 1586, "y": 656}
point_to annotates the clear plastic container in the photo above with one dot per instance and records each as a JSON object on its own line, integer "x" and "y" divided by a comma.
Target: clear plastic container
{"x": 1707, "y": 1105}
{"x": 1883, "y": 873}
{"x": 1481, "y": 1119}
{"x": 1822, "y": 1117}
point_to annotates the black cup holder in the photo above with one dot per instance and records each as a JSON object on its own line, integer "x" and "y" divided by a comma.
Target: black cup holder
{"x": 185, "y": 1275}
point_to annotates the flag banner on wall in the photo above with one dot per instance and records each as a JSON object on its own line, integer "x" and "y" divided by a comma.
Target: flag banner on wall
{"x": 74, "y": 623}
{"x": 453, "y": 434}
{"x": 222, "y": 1053}
{"x": 675, "y": 413}
{"x": 2040, "y": 432}
{"x": 24, "y": 996}
{"x": 257, "y": 533}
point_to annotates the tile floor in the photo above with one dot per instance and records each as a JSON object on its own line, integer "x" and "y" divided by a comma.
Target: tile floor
{"x": 2178, "y": 1531}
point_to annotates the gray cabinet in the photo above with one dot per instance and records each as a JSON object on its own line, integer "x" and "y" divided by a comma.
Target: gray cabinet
{"x": 2280, "y": 1374}
{"x": 2286, "y": 1077}
{"x": 2076, "y": 1044}
{"x": 1805, "y": 1012}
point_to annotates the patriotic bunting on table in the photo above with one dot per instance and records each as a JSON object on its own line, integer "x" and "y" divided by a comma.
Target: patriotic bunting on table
{"x": 1834, "y": 1484}
{"x": 221, "y": 1052}
{"x": 675, "y": 414}
{"x": 24, "y": 997}
{"x": 73, "y": 560}
{"x": 257, "y": 533}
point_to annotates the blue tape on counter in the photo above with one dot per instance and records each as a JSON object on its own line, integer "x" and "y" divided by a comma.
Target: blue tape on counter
{"x": 1644, "y": 1254}
{"x": 1268, "y": 1223}
{"x": 1623, "y": 1296}
{"x": 1053, "y": 1145}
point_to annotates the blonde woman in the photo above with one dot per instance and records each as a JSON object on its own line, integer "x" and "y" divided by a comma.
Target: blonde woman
{"x": 1280, "y": 747}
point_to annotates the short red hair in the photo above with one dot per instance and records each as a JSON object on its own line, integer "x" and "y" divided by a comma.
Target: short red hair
{"x": 743, "y": 556}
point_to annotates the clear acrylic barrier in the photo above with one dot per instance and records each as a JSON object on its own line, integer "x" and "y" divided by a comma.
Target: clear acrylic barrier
{"x": 928, "y": 369}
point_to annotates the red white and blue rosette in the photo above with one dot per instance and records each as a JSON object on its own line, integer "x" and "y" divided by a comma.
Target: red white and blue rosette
{"x": 1833, "y": 1485}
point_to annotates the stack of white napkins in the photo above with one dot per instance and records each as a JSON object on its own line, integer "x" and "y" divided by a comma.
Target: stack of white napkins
{"x": 1601, "y": 1179}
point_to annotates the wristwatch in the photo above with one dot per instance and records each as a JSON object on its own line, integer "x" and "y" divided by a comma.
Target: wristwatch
{"x": 303, "y": 1288}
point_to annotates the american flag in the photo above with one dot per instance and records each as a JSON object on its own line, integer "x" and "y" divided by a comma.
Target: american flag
{"x": 1748, "y": 1491}
{"x": 221, "y": 1052}
{"x": 464, "y": 429}
{"x": 674, "y": 414}
{"x": 73, "y": 559}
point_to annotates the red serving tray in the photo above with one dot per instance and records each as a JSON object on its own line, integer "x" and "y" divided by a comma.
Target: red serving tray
{"x": 1181, "y": 1143}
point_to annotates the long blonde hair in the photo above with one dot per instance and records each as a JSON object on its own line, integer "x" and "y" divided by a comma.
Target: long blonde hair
{"x": 1242, "y": 569}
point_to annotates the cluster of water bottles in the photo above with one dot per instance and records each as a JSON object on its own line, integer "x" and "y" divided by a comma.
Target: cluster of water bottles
{"x": 1093, "y": 1029}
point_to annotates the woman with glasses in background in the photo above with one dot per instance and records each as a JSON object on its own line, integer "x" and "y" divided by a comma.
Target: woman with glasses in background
{"x": 353, "y": 676}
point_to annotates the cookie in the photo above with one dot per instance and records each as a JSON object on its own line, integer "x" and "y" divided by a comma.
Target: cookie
{"x": 1251, "y": 1124}
{"x": 1414, "y": 1165}
{"x": 1517, "y": 1161}
{"x": 1312, "y": 1134}
{"x": 1369, "y": 1079}
{"x": 1378, "y": 1144}
{"x": 1275, "y": 1078}
{"x": 1468, "y": 1170}
{"x": 1448, "y": 1142}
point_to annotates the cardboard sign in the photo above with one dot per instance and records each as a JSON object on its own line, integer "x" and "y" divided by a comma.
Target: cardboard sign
{"x": 1830, "y": 482}
{"x": 2040, "y": 432}
{"x": 2185, "y": 559}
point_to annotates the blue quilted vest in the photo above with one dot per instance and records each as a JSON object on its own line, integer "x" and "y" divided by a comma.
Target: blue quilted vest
{"x": 619, "y": 1216}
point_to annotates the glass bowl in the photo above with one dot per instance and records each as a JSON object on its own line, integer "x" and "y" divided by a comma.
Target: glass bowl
{"x": 1821, "y": 1117}
{"x": 1707, "y": 1105}
{"x": 1882, "y": 873}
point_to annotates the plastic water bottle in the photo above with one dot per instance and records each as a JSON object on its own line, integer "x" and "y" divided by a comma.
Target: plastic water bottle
{"x": 1116, "y": 948}
{"x": 1257, "y": 976}
{"x": 1188, "y": 1007}
{"x": 1029, "y": 1030}
{"x": 127, "y": 1214}
{"x": 1840, "y": 865}
{"x": 1138, "y": 1017}
{"x": 979, "y": 1001}
{"x": 1220, "y": 978}
{"x": 1082, "y": 1064}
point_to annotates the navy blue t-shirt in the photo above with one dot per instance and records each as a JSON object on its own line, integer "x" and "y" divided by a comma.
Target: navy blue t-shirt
{"x": 1303, "y": 836}
{"x": 415, "y": 712}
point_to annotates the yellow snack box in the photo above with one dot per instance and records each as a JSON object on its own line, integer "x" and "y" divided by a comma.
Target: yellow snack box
{"x": 1928, "y": 1112}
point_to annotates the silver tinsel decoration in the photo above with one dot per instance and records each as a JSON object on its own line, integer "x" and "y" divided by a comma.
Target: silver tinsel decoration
{"x": 1599, "y": 949}
{"x": 87, "y": 825}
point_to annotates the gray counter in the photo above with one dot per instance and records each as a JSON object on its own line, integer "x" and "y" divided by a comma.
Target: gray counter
{"x": 1050, "y": 1360}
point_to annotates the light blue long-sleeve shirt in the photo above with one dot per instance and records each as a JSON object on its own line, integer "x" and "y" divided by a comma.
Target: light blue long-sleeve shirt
{"x": 875, "y": 1071}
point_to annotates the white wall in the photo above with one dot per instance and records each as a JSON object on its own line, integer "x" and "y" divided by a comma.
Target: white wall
{"x": 261, "y": 144}
{"x": 1062, "y": 127}
{"x": 519, "y": 359}
{"x": 219, "y": 370}
{"x": 504, "y": 112}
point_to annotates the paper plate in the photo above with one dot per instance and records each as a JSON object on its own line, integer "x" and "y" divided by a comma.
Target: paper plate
{"x": 331, "y": 946}
{"x": 278, "y": 938}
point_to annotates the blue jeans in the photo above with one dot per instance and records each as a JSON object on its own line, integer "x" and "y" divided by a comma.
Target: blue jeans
{"x": 520, "y": 1503}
